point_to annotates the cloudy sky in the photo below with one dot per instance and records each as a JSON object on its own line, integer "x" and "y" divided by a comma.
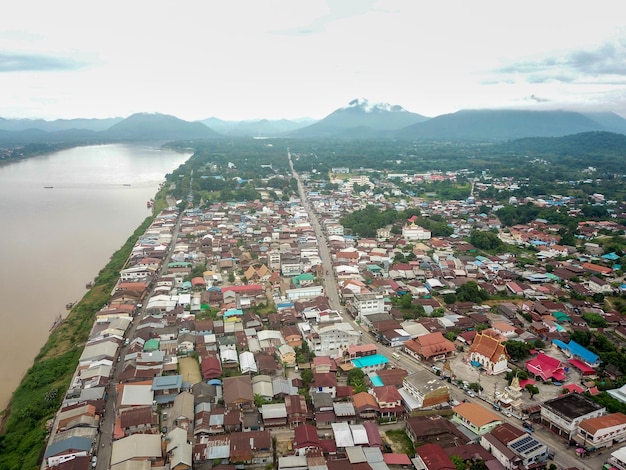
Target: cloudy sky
{"x": 237, "y": 59}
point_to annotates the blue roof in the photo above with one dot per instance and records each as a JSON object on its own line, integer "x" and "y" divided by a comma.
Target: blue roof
{"x": 167, "y": 382}
{"x": 376, "y": 380}
{"x": 165, "y": 398}
{"x": 71, "y": 443}
{"x": 560, "y": 344}
{"x": 577, "y": 350}
{"x": 611, "y": 256}
{"x": 368, "y": 361}
{"x": 233, "y": 312}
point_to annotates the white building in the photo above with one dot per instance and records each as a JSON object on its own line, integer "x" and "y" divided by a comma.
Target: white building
{"x": 603, "y": 431}
{"x": 367, "y": 304}
{"x": 415, "y": 232}
{"x": 331, "y": 339}
{"x": 290, "y": 265}
{"x": 136, "y": 273}
{"x": 304, "y": 293}
{"x": 618, "y": 459}
{"x": 563, "y": 414}
{"x": 420, "y": 391}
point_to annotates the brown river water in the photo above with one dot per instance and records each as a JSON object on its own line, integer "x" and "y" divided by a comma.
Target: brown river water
{"x": 62, "y": 217}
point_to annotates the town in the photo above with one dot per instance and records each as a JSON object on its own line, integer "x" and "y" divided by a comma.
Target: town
{"x": 268, "y": 333}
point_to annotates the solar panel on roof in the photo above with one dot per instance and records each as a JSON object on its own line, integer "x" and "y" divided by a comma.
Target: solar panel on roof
{"x": 526, "y": 445}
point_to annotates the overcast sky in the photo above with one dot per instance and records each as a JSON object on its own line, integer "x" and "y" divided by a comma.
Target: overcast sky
{"x": 296, "y": 58}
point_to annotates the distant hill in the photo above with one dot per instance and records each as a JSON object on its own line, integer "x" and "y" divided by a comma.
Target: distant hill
{"x": 499, "y": 125}
{"x": 602, "y": 151}
{"x": 361, "y": 119}
{"x": 358, "y": 120}
{"x": 148, "y": 126}
{"x": 255, "y": 128}
{"x": 58, "y": 124}
{"x": 611, "y": 121}
{"x": 585, "y": 144}
{"x": 33, "y": 136}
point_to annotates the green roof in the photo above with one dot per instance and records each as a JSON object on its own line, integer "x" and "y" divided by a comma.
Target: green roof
{"x": 297, "y": 280}
{"x": 560, "y": 317}
{"x": 151, "y": 345}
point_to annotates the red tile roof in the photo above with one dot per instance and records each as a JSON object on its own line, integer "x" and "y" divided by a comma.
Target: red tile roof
{"x": 434, "y": 457}
{"x": 430, "y": 345}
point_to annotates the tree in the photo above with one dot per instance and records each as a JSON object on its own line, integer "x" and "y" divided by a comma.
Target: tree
{"x": 307, "y": 377}
{"x": 485, "y": 240}
{"x": 532, "y": 390}
{"x": 356, "y": 378}
{"x": 539, "y": 344}
{"x": 355, "y": 375}
{"x": 517, "y": 349}
{"x": 449, "y": 298}
{"x": 438, "y": 312}
{"x": 259, "y": 401}
{"x": 458, "y": 462}
{"x": 521, "y": 375}
{"x": 451, "y": 336}
{"x": 231, "y": 277}
{"x": 581, "y": 337}
{"x": 594, "y": 320}
{"x": 469, "y": 292}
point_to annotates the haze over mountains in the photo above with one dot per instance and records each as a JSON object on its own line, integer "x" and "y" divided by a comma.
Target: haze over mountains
{"x": 359, "y": 119}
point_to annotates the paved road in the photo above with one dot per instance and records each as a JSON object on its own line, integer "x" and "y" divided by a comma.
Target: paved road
{"x": 564, "y": 457}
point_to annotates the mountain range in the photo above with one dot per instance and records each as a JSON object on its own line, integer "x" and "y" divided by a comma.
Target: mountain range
{"x": 360, "y": 119}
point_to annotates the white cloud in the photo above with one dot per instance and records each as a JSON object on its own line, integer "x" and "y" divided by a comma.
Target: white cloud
{"x": 276, "y": 58}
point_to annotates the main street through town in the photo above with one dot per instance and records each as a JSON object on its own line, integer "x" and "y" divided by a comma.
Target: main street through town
{"x": 564, "y": 456}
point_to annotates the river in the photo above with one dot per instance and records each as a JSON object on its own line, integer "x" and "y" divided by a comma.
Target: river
{"x": 64, "y": 214}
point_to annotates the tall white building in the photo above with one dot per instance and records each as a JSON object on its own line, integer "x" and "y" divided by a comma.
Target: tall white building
{"x": 367, "y": 304}
{"x": 415, "y": 232}
{"x": 331, "y": 339}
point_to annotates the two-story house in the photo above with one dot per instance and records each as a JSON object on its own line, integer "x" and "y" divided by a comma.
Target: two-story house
{"x": 603, "y": 431}
{"x": 389, "y": 401}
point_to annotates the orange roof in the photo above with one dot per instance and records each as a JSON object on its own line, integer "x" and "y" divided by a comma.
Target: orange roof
{"x": 596, "y": 268}
{"x": 503, "y": 326}
{"x": 364, "y": 400}
{"x": 431, "y": 344}
{"x": 488, "y": 346}
{"x": 476, "y": 414}
{"x": 387, "y": 394}
{"x": 593, "y": 425}
{"x": 361, "y": 348}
